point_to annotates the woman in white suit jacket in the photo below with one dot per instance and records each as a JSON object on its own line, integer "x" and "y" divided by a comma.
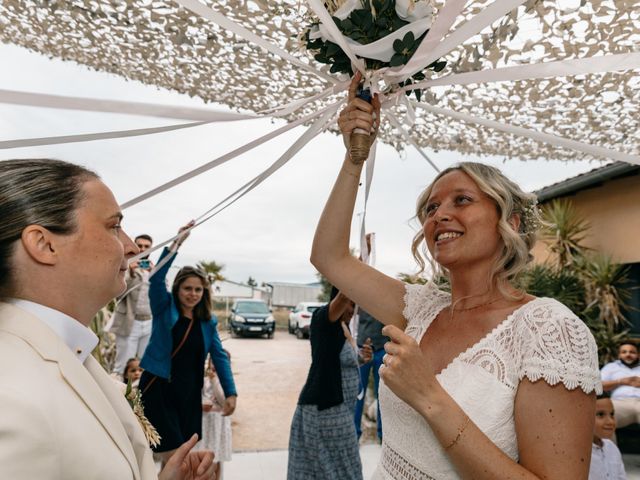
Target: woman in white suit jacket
{"x": 63, "y": 256}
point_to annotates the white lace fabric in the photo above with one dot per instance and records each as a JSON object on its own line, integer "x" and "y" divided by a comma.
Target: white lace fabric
{"x": 542, "y": 339}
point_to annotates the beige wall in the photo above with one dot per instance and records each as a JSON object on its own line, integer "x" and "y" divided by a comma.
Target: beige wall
{"x": 613, "y": 210}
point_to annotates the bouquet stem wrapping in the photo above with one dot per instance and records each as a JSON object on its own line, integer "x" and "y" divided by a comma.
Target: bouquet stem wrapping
{"x": 360, "y": 139}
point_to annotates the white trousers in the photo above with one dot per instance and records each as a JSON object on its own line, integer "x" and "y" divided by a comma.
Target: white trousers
{"x": 132, "y": 346}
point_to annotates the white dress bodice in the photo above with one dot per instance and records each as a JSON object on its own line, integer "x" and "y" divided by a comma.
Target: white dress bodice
{"x": 542, "y": 339}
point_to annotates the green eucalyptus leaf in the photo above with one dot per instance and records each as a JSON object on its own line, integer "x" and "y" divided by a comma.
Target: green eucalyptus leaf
{"x": 332, "y": 49}
{"x": 438, "y": 66}
{"x": 418, "y": 94}
{"x": 397, "y": 60}
{"x": 398, "y": 46}
{"x": 409, "y": 40}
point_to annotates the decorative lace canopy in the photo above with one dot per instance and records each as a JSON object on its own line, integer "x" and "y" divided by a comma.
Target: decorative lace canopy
{"x": 165, "y": 44}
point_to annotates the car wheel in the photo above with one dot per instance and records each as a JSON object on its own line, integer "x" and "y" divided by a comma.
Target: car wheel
{"x": 270, "y": 335}
{"x": 291, "y": 329}
{"x": 299, "y": 334}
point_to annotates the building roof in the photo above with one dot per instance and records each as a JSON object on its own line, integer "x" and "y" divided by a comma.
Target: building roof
{"x": 590, "y": 179}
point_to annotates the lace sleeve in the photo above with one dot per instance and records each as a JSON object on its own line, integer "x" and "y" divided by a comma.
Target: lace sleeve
{"x": 422, "y": 302}
{"x": 559, "y": 348}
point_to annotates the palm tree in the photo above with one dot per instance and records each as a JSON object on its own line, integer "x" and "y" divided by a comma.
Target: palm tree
{"x": 564, "y": 231}
{"x": 213, "y": 268}
{"x": 605, "y": 283}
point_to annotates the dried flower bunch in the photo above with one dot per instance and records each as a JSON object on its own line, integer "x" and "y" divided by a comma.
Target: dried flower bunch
{"x": 367, "y": 21}
{"x": 134, "y": 397}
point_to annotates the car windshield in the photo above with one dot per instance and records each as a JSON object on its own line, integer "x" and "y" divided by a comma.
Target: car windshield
{"x": 313, "y": 308}
{"x": 252, "y": 307}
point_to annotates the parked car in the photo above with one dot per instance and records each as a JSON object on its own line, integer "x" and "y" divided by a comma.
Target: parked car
{"x": 251, "y": 317}
{"x": 300, "y": 318}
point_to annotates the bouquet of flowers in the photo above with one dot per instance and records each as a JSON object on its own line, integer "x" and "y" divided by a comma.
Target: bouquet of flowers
{"x": 373, "y": 23}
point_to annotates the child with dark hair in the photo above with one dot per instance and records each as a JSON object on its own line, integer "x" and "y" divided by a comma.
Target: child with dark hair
{"x": 606, "y": 461}
{"x": 132, "y": 371}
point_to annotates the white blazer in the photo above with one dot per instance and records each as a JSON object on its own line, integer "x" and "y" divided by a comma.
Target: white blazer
{"x": 60, "y": 419}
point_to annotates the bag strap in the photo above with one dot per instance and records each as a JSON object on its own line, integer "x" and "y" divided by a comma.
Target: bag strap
{"x": 173, "y": 354}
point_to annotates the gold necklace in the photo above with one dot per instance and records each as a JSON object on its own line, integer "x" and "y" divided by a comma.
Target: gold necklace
{"x": 475, "y": 306}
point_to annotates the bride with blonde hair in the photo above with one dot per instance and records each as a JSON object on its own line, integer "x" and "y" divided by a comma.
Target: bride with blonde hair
{"x": 485, "y": 382}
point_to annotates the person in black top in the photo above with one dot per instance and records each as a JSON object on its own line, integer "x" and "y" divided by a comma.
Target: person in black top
{"x": 323, "y": 443}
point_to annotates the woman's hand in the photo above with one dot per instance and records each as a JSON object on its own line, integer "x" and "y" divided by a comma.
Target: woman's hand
{"x": 359, "y": 113}
{"x": 229, "y": 406}
{"x": 187, "y": 465}
{"x": 366, "y": 352}
{"x": 406, "y": 370}
{"x": 184, "y": 233}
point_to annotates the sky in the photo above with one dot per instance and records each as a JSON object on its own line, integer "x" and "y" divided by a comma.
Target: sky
{"x": 267, "y": 234}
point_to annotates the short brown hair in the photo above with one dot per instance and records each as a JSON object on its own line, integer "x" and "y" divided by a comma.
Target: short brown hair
{"x": 41, "y": 192}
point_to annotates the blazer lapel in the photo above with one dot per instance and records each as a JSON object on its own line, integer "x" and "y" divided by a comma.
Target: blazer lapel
{"x": 52, "y": 348}
{"x": 133, "y": 430}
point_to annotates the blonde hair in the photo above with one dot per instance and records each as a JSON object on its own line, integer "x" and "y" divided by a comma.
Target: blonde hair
{"x": 510, "y": 200}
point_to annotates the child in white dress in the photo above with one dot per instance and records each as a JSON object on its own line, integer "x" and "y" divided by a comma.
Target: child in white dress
{"x": 606, "y": 461}
{"x": 216, "y": 428}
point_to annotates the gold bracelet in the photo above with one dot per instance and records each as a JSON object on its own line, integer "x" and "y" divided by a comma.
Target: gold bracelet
{"x": 460, "y": 431}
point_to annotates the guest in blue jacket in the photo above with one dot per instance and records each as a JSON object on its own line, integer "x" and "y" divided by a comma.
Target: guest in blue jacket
{"x": 184, "y": 331}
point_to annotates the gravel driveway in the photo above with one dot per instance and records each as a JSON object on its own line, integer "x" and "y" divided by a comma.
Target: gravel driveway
{"x": 269, "y": 375}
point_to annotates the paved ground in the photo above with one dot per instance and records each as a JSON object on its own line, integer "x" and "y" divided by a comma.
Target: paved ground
{"x": 269, "y": 375}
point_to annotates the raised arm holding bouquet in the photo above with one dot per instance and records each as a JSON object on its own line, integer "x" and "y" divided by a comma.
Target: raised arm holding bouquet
{"x": 382, "y": 34}
{"x": 486, "y": 382}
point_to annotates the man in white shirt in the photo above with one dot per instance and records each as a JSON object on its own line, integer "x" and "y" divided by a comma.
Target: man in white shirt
{"x": 132, "y": 318}
{"x": 622, "y": 379}
{"x": 63, "y": 255}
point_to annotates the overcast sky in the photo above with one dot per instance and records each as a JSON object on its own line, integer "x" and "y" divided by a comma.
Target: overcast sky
{"x": 266, "y": 234}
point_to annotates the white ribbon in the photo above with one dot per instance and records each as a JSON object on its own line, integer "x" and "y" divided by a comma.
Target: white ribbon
{"x": 326, "y": 114}
{"x": 562, "y": 68}
{"x": 539, "y": 136}
{"x": 381, "y": 49}
{"x": 89, "y": 137}
{"x": 117, "y": 106}
{"x": 301, "y": 102}
{"x": 446, "y": 17}
{"x": 475, "y": 25}
{"x": 396, "y": 123}
{"x": 220, "y": 160}
{"x": 323, "y": 15}
{"x": 216, "y": 17}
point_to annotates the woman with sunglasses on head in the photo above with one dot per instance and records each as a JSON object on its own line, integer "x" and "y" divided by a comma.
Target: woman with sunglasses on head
{"x": 184, "y": 332}
{"x": 483, "y": 381}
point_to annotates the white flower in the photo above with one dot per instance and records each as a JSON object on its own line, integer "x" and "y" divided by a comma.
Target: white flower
{"x": 412, "y": 10}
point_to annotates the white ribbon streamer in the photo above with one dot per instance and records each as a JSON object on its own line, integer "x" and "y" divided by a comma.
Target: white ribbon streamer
{"x": 323, "y": 15}
{"x": 216, "y": 17}
{"x": 475, "y": 25}
{"x": 396, "y": 123}
{"x": 220, "y": 160}
{"x": 296, "y": 104}
{"x": 381, "y": 49}
{"x": 446, "y": 17}
{"x": 539, "y": 136}
{"x": 562, "y": 68}
{"x": 118, "y": 106}
{"x": 320, "y": 124}
{"x": 89, "y": 137}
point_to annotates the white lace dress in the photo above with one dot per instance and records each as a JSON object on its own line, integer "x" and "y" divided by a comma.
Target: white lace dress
{"x": 542, "y": 339}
